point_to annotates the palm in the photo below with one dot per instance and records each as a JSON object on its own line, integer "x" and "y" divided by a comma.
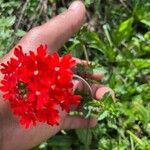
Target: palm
{"x": 53, "y": 33}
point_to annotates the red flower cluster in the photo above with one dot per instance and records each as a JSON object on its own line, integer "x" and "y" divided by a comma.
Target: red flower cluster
{"x": 36, "y": 84}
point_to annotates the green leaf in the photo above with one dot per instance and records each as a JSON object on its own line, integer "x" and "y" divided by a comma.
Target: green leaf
{"x": 141, "y": 63}
{"x": 20, "y": 33}
{"x": 135, "y": 138}
{"x": 7, "y": 22}
{"x": 93, "y": 40}
{"x": 142, "y": 12}
{"x": 64, "y": 141}
{"x": 147, "y": 35}
{"x": 88, "y": 2}
{"x": 123, "y": 31}
{"x": 85, "y": 136}
{"x": 103, "y": 115}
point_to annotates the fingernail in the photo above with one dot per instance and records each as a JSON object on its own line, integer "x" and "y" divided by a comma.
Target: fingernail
{"x": 75, "y": 5}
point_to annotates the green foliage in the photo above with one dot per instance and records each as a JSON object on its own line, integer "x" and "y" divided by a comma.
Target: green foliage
{"x": 6, "y": 32}
{"x": 116, "y": 38}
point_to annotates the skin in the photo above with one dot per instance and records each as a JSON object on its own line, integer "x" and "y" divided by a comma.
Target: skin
{"x": 54, "y": 33}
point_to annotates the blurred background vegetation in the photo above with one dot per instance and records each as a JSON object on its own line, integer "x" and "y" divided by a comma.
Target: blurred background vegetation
{"x": 116, "y": 37}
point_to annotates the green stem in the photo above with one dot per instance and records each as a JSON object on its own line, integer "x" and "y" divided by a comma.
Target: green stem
{"x": 105, "y": 27}
{"x": 139, "y": 141}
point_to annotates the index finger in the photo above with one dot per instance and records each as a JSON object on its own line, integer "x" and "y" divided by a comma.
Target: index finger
{"x": 56, "y": 31}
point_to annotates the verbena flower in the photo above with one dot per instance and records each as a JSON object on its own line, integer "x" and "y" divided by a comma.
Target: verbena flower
{"x": 35, "y": 84}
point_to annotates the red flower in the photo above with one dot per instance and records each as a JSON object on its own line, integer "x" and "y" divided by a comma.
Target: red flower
{"x": 36, "y": 84}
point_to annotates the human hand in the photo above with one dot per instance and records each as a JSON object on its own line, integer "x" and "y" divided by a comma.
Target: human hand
{"x": 54, "y": 33}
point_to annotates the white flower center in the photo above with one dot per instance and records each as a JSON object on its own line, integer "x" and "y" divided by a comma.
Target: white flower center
{"x": 37, "y": 93}
{"x": 36, "y": 72}
{"x": 53, "y": 86}
{"x": 57, "y": 68}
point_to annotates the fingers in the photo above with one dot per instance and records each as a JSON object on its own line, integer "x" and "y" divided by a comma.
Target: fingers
{"x": 62, "y": 27}
{"x": 75, "y": 122}
{"x": 94, "y": 76}
{"x": 58, "y": 30}
{"x": 98, "y": 90}
{"x": 82, "y": 62}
